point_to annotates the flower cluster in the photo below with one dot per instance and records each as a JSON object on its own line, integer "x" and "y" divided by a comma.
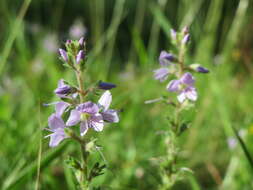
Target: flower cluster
{"x": 173, "y": 65}
{"x": 74, "y": 106}
{"x": 182, "y": 83}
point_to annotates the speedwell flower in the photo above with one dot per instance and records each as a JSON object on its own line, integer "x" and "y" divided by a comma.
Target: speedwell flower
{"x": 184, "y": 87}
{"x": 165, "y": 60}
{"x": 89, "y": 117}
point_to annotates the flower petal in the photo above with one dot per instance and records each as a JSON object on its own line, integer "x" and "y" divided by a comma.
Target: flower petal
{"x": 173, "y": 85}
{"x": 60, "y": 107}
{"x": 181, "y": 97}
{"x": 161, "y": 74}
{"x": 96, "y": 122}
{"x": 187, "y": 79}
{"x": 191, "y": 94}
{"x": 57, "y": 137}
{"x": 74, "y": 118}
{"x": 88, "y": 107}
{"x": 110, "y": 116}
{"x": 84, "y": 127}
{"x": 105, "y": 100}
{"x": 55, "y": 122}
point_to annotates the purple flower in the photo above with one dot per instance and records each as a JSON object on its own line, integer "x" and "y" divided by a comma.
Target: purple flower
{"x": 89, "y": 116}
{"x": 62, "y": 89}
{"x": 109, "y": 115}
{"x": 161, "y": 74}
{"x": 56, "y": 126}
{"x": 80, "y": 56}
{"x": 63, "y": 54}
{"x": 184, "y": 87}
{"x": 165, "y": 58}
{"x": 106, "y": 85}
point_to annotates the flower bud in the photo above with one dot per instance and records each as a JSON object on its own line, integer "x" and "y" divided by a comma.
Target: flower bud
{"x": 81, "y": 42}
{"x": 63, "y": 55}
{"x": 186, "y": 39}
{"x": 63, "y": 90}
{"x": 165, "y": 57}
{"x": 198, "y": 68}
{"x": 80, "y": 56}
{"x": 68, "y": 42}
{"x": 106, "y": 85}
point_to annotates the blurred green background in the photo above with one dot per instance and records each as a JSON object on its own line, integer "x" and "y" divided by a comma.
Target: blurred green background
{"x": 124, "y": 39}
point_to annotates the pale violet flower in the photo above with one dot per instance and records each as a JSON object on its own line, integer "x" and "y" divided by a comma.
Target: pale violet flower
{"x": 165, "y": 60}
{"x": 87, "y": 114}
{"x": 184, "y": 87}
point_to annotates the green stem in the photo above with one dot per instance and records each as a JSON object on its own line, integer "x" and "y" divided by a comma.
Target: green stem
{"x": 84, "y": 175}
{"x": 79, "y": 79}
{"x": 181, "y": 59}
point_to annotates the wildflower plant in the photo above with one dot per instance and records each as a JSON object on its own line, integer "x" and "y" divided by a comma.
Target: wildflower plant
{"x": 78, "y": 111}
{"x": 182, "y": 95}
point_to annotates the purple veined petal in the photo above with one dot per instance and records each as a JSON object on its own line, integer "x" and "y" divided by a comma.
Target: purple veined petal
{"x": 191, "y": 93}
{"x": 84, "y": 127}
{"x": 105, "y": 100}
{"x": 88, "y": 107}
{"x": 165, "y": 58}
{"x": 80, "y": 56}
{"x": 96, "y": 122}
{"x": 60, "y": 107}
{"x": 74, "y": 118}
{"x": 161, "y": 74}
{"x": 57, "y": 137}
{"x": 63, "y": 54}
{"x": 181, "y": 97}
{"x": 188, "y": 79}
{"x": 173, "y": 85}
{"x": 55, "y": 122}
{"x": 110, "y": 116}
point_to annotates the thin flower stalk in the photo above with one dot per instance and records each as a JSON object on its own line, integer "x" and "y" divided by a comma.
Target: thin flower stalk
{"x": 182, "y": 84}
{"x": 75, "y": 112}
